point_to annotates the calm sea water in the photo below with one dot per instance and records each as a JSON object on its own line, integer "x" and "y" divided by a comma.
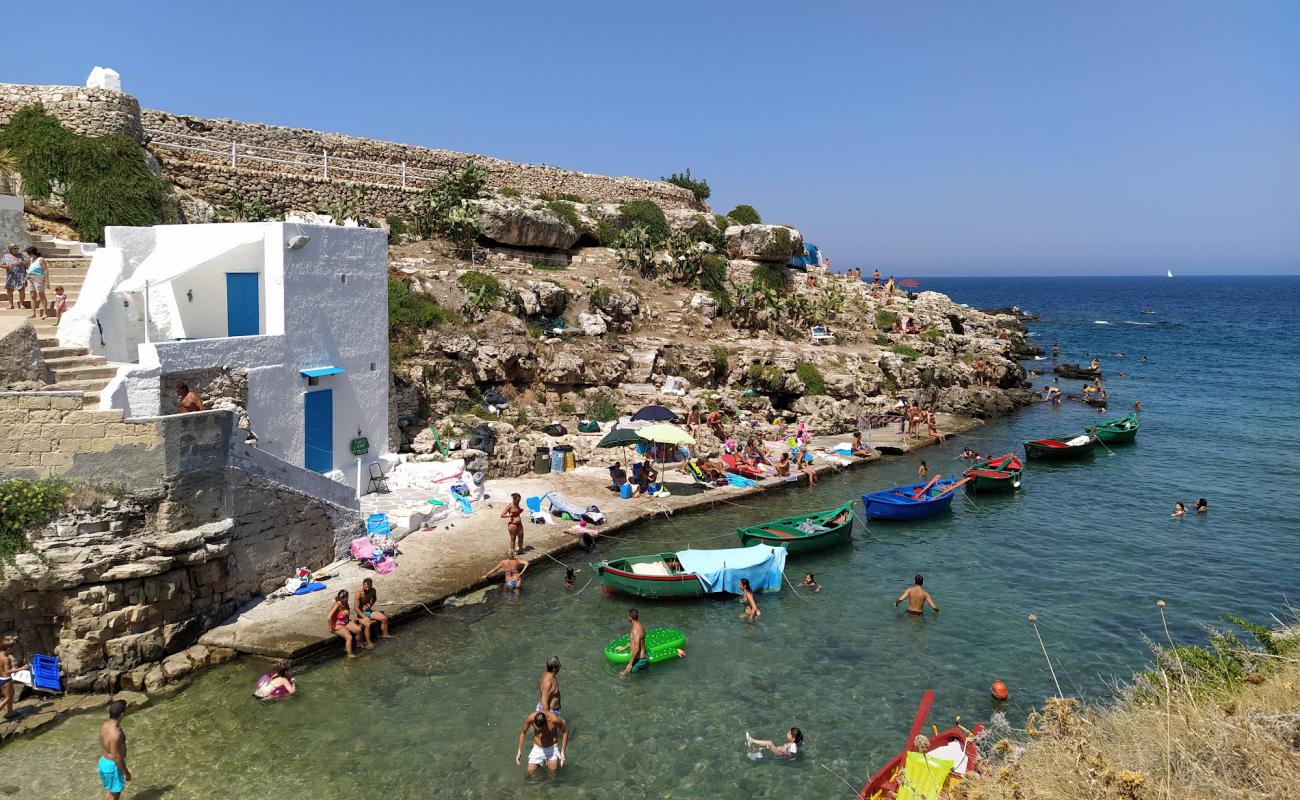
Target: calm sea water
{"x": 1088, "y": 547}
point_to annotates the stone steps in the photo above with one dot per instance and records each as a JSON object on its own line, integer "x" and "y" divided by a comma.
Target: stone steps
{"x": 51, "y": 351}
{"x": 91, "y": 387}
{"x": 84, "y": 372}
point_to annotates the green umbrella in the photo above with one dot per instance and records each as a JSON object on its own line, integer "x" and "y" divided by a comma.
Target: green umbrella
{"x": 664, "y": 434}
{"x": 619, "y": 437}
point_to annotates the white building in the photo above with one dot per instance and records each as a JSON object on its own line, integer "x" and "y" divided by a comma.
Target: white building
{"x": 285, "y": 320}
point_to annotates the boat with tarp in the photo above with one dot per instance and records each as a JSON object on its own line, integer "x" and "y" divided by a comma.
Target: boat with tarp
{"x": 1061, "y": 448}
{"x": 693, "y": 573}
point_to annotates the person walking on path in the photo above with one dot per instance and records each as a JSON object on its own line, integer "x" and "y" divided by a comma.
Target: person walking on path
{"x": 549, "y": 688}
{"x": 113, "y": 772}
{"x": 515, "y": 526}
{"x": 15, "y": 267}
{"x": 545, "y": 727}
{"x": 917, "y": 598}
{"x": 635, "y": 646}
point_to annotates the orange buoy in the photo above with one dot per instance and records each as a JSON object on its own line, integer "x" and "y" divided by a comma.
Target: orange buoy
{"x": 999, "y": 690}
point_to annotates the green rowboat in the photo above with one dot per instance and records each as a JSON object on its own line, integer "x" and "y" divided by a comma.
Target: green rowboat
{"x": 804, "y": 533}
{"x": 1124, "y": 429}
{"x": 996, "y": 475}
{"x": 657, "y": 576}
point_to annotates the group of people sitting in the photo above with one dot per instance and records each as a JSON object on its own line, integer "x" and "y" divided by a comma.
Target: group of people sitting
{"x": 352, "y": 623}
{"x": 906, "y": 324}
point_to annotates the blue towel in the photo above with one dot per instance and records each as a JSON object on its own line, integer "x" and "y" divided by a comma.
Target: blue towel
{"x": 309, "y": 587}
{"x": 737, "y": 480}
{"x": 465, "y": 507}
{"x": 721, "y": 570}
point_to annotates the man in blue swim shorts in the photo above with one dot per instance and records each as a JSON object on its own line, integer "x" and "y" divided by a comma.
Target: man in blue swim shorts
{"x": 113, "y": 773}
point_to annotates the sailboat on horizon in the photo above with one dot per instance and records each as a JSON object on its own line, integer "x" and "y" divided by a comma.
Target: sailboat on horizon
{"x": 1169, "y": 273}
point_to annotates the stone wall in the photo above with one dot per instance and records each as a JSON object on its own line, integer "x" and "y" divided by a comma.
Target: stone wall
{"x": 530, "y": 179}
{"x": 91, "y": 112}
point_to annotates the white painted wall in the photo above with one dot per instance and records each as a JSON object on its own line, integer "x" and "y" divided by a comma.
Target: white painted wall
{"x": 98, "y": 305}
{"x": 204, "y": 316}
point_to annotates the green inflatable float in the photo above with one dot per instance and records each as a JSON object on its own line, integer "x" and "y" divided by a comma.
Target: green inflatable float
{"x": 661, "y": 644}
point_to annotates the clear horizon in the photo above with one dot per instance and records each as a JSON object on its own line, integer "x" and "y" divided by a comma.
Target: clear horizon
{"x": 945, "y": 139}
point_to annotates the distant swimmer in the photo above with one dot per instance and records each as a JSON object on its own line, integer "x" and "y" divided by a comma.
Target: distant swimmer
{"x": 1144, "y": 359}
{"x": 1056, "y": 351}
{"x": 635, "y": 646}
{"x": 1201, "y": 506}
{"x": 811, "y": 583}
{"x": 1137, "y": 406}
{"x": 793, "y": 741}
{"x": 922, "y": 470}
{"x": 917, "y": 598}
{"x": 968, "y": 453}
{"x": 747, "y": 597}
{"x": 1179, "y": 510}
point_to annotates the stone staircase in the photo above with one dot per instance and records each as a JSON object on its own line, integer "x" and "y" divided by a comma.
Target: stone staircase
{"x": 74, "y": 368}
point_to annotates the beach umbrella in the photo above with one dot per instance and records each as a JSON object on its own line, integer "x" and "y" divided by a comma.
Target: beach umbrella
{"x": 665, "y": 434}
{"x": 654, "y": 414}
{"x": 619, "y": 437}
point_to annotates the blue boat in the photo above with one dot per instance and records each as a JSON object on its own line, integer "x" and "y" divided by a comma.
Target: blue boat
{"x": 910, "y": 502}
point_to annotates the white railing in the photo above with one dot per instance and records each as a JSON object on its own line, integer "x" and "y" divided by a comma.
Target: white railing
{"x": 301, "y": 162}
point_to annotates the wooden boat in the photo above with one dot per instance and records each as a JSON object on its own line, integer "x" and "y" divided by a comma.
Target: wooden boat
{"x": 657, "y": 576}
{"x": 914, "y": 501}
{"x": 804, "y": 533}
{"x": 995, "y": 475}
{"x": 1061, "y": 448}
{"x": 1124, "y": 429}
{"x": 956, "y": 741}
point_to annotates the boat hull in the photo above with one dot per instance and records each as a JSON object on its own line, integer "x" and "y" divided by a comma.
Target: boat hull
{"x": 616, "y": 578}
{"x": 782, "y": 533}
{"x": 889, "y": 505}
{"x": 1117, "y": 431}
{"x": 885, "y": 782}
{"x": 1044, "y": 452}
{"x": 997, "y": 475}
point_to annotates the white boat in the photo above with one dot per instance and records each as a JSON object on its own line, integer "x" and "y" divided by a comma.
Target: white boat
{"x": 1169, "y": 273}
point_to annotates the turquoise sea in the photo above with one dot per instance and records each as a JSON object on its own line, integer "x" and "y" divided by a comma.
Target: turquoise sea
{"x": 1088, "y": 547}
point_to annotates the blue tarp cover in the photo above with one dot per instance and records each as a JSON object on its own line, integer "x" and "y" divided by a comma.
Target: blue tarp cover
{"x": 721, "y": 570}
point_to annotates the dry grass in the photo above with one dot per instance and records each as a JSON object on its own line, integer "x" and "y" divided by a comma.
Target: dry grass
{"x": 1174, "y": 737}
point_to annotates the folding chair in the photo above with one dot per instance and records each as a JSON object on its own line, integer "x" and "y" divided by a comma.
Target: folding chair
{"x": 378, "y": 480}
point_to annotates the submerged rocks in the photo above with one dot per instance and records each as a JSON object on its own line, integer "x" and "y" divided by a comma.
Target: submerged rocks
{"x": 771, "y": 243}
{"x": 1076, "y": 372}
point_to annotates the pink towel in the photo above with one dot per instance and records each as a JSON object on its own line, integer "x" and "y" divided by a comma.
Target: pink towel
{"x": 385, "y": 566}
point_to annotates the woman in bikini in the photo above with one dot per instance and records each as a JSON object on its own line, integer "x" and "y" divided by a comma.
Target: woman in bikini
{"x": 366, "y": 613}
{"x": 515, "y": 527}
{"x": 341, "y": 624}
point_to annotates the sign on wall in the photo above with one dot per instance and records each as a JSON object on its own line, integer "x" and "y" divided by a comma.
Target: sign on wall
{"x": 360, "y": 446}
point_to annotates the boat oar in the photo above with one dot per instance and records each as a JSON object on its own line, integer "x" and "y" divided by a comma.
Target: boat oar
{"x": 922, "y": 711}
{"x": 919, "y": 493}
{"x": 1033, "y": 620}
{"x": 955, "y": 486}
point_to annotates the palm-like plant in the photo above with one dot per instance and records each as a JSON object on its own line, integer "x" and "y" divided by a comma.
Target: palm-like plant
{"x": 8, "y": 166}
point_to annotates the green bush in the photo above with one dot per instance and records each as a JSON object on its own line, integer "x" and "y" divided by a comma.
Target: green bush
{"x": 905, "y": 351}
{"x": 602, "y": 408}
{"x": 25, "y": 505}
{"x": 237, "y": 209}
{"x": 771, "y": 277}
{"x": 703, "y": 230}
{"x": 713, "y": 272}
{"x": 506, "y": 191}
{"x": 721, "y": 361}
{"x": 698, "y": 188}
{"x": 572, "y": 198}
{"x": 648, "y": 214}
{"x": 482, "y": 291}
{"x": 883, "y": 340}
{"x": 409, "y": 314}
{"x": 566, "y": 407}
{"x": 726, "y": 305}
{"x": 885, "y": 319}
{"x": 745, "y": 215}
{"x": 888, "y": 385}
{"x": 933, "y": 335}
{"x": 396, "y": 229}
{"x": 600, "y": 296}
{"x": 544, "y": 267}
{"x": 566, "y": 212}
{"x": 444, "y": 209}
{"x": 813, "y": 381}
{"x": 106, "y": 180}
{"x": 779, "y": 248}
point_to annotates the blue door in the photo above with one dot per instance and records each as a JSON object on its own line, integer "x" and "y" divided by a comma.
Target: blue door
{"x": 318, "y": 430}
{"x": 241, "y": 304}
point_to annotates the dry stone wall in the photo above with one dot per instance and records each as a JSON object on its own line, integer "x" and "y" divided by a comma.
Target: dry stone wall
{"x": 91, "y": 112}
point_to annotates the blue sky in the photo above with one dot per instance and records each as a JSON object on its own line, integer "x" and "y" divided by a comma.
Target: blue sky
{"x": 923, "y": 138}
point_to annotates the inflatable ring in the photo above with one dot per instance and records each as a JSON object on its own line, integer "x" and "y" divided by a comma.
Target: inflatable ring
{"x": 661, "y": 644}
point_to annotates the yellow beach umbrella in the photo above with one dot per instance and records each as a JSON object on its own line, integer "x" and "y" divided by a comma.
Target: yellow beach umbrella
{"x": 664, "y": 434}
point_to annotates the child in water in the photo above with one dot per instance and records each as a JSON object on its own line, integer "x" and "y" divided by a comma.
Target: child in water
{"x": 810, "y": 583}
{"x": 1179, "y": 510}
{"x": 747, "y": 597}
{"x": 793, "y": 741}
{"x": 570, "y": 576}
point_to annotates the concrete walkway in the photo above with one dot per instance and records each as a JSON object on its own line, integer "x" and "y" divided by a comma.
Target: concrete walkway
{"x": 450, "y": 559}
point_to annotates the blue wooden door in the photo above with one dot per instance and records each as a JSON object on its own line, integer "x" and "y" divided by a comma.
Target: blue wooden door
{"x": 318, "y": 430}
{"x": 241, "y": 304}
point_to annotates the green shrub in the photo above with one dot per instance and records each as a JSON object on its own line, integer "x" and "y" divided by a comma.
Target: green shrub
{"x": 566, "y": 212}
{"x": 905, "y": 351}
{"x": 813, "y": 381}
{"x": 698, "y": 188}
{"x": 396, "y": 229}
{"x": 723, "y": 222}
{"x": 602, "y": 408}
{"x": 600, "y": 296}
{"x": 888, "y": 385}
{"x": 482, "y": 291}
{"x": 779, "y": 248}
{"x": 106, "y": 180}
{"x": 544, "y": 267}
{"x": 769, "y": 378}
{"x": 745, "y": 215}
{"x": 726, "y": 305}
{"x": 771, "y": 277}
{"x": 648, "y": 214}
{"x": 237, "y": 209}
{"x": 721, "y": 361}
{"x": 933, "y": 335}
{"x": 703, "y": 230}
{"x": 713, "y": 272}
{"x": 444, "y": 209}
{"x": 409, "y": 314}
{"x": 566, "y": 407}
{"x": 506, "y": 191}
{"x": 885, "y": 319}
{"x": 534, "y": 330}
{"x": 25, "y": 505}
{"x": 572, "y": 198}
{"x": 883, "y": 340}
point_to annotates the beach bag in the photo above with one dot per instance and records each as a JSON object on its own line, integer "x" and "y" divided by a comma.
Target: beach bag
{"x": 589, "y": 426}
{"x": 362, "y": 549}
{"x": 594, "y": 515}
{"x": 385, "y": 566}
{"x": 555, "y": 429}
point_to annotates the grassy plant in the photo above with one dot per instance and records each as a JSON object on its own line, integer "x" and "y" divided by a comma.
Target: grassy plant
{"x": 602, "y": 408}
{"x": 408, "y": 315}
{"x": 745, "y": 215}
{"x": 721, "y": 361}
{"x": 813, "y": 381}
{"x": 649, "y": 215}
{"x": 444, "y": 209}
{"x": 888, "y": 385}
{"x": 771, "y": 278}
{"x": 544, "y": 267}
{"x": 699, "y": 188}
{"x": 905, "y": 351}
{"x": 567, "y": 407}
{"x": 565, "y": 212}
{"x": 933, "y": 335}
{"x": 238, "y": 209}
{"x": 506, "y": 191}
{"x": 778, "y": 249}
{"x": 25, "y": 505}
{"x": 572, "y": 198}
{"x": 482, "y": 291}
{"x": 885, "y": 320}
{"x": 397, "y": 228}
{"x": 600, "y": 296}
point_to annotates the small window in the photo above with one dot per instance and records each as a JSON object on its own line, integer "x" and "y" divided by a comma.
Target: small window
{"x": 372, "y": 366}
{"x": 313, "y": 381}
{"x": 343, "y": 277}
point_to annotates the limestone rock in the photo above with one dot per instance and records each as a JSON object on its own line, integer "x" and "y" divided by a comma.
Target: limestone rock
{"x": 769, "y": 243}
{"x": 705, "y": 305}
{"x": 592, "y": 324}
{"x": 20, "y": 356}
{"x": 524, "y": 225}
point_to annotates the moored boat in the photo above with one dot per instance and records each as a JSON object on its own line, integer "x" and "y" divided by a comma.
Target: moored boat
{"x": 927, "y": 764}
{"x": 914, "y": 501}
{"x": 995, "y": 475}
{"x": 1124, "y": 429}
{"x": 694, "y": 573}
{"x": 1061, "y": 448}
{"x": 804, "y": 533}
{"x": 658, "y": 576}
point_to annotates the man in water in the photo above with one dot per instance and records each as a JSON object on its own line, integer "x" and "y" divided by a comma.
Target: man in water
{"x": 513, "y": 568}
{"x": 917, "y": 599}
{"x": 635, "y": 644}
{"x": 113, "y": 773}
{"x": 550, "y": 687}
{"x": 545, "y": 727}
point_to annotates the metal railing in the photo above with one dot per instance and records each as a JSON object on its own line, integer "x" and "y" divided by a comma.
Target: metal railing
{"x": 300, "y": 162}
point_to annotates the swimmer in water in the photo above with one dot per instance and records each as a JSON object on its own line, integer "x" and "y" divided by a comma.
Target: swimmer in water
{"x": 793, "y": 741}
{"x": 917, "y": 598}
{"x": 751, "y": 608}
{"x": 810, "y": 582}
{"x": 570, "y": 576}
{"x": 1179, "y": 510}
{"x": 513, "y": 569}
{"x": 1201, "y": 506}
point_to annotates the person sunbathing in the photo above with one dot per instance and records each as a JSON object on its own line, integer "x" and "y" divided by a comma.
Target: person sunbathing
{"x": 858, "y": 449}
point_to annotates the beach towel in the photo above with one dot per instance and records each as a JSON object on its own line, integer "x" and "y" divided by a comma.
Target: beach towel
{"x": 463, "y": 502}
{"x": 570, "y": 510}
{"x": 308, "y": 588}
{"x": 736, "y": 480}
{"x": 362, "y": 549}
{"x": 385, "y": 566}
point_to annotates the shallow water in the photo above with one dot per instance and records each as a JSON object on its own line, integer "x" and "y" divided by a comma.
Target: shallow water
{"x": 1088, "y": 547}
